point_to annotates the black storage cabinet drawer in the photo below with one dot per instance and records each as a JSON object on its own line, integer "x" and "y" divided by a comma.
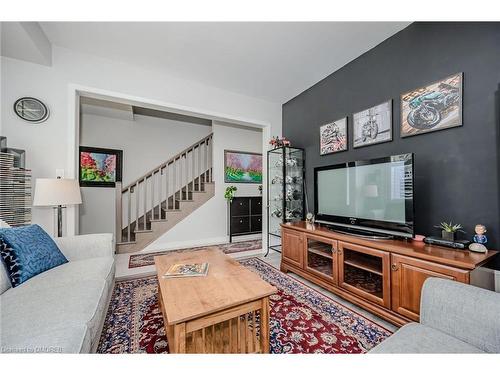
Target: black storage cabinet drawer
{"x": 245, "y": 216}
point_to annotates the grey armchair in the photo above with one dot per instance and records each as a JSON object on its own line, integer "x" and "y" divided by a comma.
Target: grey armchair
{"x": 454, "y": 318}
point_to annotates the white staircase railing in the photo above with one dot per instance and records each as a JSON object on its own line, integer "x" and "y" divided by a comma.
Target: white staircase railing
{"x": 151, "y": 196}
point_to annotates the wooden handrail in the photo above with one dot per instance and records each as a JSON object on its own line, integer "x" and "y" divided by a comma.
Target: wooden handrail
{"x": 168, "y": 162}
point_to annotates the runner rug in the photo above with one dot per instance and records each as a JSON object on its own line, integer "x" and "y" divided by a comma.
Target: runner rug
{"x": 141, "y": 260}
{"x": 302, "y": 320}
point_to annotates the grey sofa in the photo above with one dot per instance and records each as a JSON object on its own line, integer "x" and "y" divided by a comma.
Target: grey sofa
{"x": 61, "y": 310}
{"x": 454, "y": 318}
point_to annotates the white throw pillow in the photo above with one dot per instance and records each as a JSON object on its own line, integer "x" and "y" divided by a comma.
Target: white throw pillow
{"x": 3, "y": 224}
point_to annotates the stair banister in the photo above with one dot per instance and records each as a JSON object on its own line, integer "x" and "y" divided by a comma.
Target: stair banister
{"x": 182, "y": 182}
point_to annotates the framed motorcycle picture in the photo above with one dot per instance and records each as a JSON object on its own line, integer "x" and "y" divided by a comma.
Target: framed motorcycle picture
{"x": 373, "y": 125}
{"x": 436, "y": 106}
{"x": 333, "y": 137}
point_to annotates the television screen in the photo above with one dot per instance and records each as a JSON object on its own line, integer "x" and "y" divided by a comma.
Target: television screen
{"x": 375, "y": 194}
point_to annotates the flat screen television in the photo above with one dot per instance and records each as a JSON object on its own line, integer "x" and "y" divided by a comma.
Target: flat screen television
{"x": 369, "y": 197}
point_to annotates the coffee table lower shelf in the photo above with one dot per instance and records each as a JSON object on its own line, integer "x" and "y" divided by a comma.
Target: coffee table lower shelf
{"x": 239, "y": 329}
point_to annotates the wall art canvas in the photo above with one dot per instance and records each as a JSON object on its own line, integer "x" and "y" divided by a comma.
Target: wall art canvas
{"x": 333, "y": 137}
{"x": 373, "y": 125}
{"x": 433, "y": 107}
{"x": 100, "y": 167}
{"x": 242, "y": 167}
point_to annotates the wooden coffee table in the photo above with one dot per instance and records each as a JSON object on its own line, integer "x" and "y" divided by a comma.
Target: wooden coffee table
{"x": 226, "y": 311}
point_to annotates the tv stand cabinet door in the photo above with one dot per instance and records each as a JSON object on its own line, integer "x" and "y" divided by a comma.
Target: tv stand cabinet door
{"x": 293, "y": 247}
{"x": 351, "y": 255}
{"x": 407, "y": 279}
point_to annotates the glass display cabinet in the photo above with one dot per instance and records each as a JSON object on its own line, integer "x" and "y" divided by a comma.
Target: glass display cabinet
{"x": 285, "y": 191}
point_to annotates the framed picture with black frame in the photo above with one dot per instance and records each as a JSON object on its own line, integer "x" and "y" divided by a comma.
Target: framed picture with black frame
{"x": 99, "y": 167}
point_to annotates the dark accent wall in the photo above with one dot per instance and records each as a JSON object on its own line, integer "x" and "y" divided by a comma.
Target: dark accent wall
{"x": 456, "y": 170}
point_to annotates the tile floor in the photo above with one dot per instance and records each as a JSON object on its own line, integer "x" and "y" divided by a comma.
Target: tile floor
{"x": 274, "y": 259}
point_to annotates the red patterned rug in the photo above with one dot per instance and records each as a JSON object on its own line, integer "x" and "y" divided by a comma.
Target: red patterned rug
{"x": 141, "y": 260}
{"x": 303, "y": 320}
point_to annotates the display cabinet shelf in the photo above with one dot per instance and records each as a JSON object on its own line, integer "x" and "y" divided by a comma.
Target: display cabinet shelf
{"x": 285, "y": 191}
{"x": 365, "y": 263}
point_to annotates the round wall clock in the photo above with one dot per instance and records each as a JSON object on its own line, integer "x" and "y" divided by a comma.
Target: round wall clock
{"x": 31, "y": 110}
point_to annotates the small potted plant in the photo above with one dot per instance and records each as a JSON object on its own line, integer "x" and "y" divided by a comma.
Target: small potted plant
{"x": 449, "y": 230}
{"x": 229, "y": 194}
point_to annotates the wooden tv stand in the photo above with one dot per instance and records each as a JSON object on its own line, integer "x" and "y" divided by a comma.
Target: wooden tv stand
{"x": 384, "y": 277}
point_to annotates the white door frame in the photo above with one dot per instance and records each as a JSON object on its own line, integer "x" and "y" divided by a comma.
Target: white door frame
{"x": 76, "y": 91}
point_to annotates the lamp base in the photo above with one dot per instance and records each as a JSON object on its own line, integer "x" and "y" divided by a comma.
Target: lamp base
{"x": 59, "y": 220}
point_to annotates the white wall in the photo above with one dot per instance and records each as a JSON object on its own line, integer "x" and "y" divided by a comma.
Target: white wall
{"x": 47, "y": 144}
{"x": 146, "y": 143}
{"x": 208, "y": 224}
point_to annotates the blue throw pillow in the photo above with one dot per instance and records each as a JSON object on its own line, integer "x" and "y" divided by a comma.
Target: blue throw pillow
{"x": 28, "y": 251}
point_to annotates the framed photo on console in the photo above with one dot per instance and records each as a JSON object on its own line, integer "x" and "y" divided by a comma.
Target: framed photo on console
{"x": 436, "y": 106}
{"x": 333, "y": 137}
{"x": 373, "y": 125}
{"x": 100, "y": 167}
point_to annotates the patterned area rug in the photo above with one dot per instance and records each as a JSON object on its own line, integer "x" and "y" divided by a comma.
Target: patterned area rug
{"x": 302, "y": 319}
{"x": 141, "y": 260}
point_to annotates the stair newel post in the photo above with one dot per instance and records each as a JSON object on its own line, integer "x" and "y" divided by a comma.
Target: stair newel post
{"x": 128, "y": 213}
{"x": 145, "y": 200}
{"x": 118, "y": 212}
{"x": 175, "y": 183}
{"x": 198, "y": 174}
{"x": 192, "y": 169}
{"x": 152, "y": 195}
{"x": 205, "y": 162}
{"x": 210, "y": 170}
{"x": 160, "y": 195}
{"x": 167, "y": 182}
{"x": 186, "y": 170}
{"x": 136, "y": 193}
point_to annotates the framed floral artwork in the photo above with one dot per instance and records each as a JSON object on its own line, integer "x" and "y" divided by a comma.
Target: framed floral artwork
{"x": 100, "y": 167}
{"x": 242, "y": 167}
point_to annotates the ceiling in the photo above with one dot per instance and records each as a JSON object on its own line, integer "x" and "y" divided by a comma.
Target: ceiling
{"x": 272, "y": 61}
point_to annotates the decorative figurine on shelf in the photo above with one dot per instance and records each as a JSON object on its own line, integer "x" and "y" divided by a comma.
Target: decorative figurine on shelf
{"x": 279, "y": 142}
{"x": 310, "y": 218}
{"x": 479, "y": 239}
{"x": 260, "y": 189}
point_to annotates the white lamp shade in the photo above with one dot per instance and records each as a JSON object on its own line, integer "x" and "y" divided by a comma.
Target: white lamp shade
{"x": 56, "y": 191}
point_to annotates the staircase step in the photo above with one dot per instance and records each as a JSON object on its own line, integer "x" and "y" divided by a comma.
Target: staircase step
{"x": 158, "y": 220}
{"x": 171, "y": 209}
{"x": 126, "y": 243}
{"x": 143, "y": 230}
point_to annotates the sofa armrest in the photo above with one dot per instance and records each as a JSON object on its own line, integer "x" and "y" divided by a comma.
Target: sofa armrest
{"x": 463, "y": 311}
{"x": 86, "y": 246}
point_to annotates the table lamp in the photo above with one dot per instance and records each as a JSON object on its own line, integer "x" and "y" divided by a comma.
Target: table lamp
{"x": 58, "y": 193}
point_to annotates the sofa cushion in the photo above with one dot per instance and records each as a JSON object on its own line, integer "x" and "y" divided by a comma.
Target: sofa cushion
{"x": 28, "y": 311}
{"x": 71, "y": 339}
{"x": 418, "y": 338}
{"x": 28, "y": 251}
{"x": 73, "y": 272}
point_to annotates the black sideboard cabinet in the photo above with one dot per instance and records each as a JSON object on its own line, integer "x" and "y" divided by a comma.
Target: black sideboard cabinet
{"x": 245, "y": 216}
